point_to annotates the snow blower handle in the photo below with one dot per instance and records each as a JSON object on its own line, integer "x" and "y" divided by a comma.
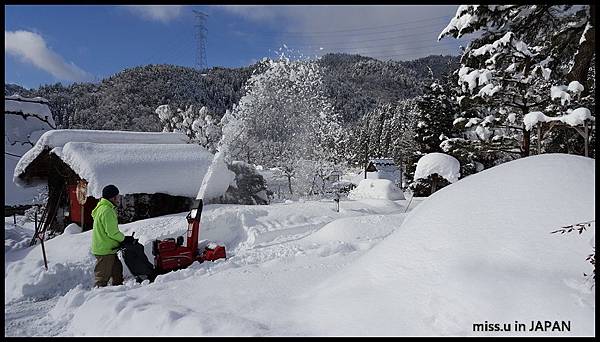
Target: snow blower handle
{"x": 128, "y": 239}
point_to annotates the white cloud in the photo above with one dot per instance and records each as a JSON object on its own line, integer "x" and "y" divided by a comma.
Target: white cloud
{"x": 32, "y": 48}
{"x": 414, "y": 28}
{"x": 162, "y": 13}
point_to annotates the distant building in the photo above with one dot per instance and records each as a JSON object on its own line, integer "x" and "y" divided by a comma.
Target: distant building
{"x": 384, "y": 168}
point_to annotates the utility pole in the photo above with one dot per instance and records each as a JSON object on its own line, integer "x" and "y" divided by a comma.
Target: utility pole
{"x": 201, "y": 34}
{"x": 367, "y": 147}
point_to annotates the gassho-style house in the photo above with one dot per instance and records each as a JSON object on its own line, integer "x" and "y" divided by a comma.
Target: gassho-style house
{"x": 157, "y": 173}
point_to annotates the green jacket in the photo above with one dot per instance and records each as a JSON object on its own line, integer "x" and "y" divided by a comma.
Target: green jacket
{"x": 105, "y": 235}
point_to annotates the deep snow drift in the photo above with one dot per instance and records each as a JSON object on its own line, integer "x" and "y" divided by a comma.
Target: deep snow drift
{"x": 478, "y": 250}
{"x": 376, "y": 189}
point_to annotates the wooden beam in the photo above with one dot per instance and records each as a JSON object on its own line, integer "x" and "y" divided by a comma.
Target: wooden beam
{"x": 586, "y": 137}
{"x": 580, "y": 131}
{"x": 539, "y": 141}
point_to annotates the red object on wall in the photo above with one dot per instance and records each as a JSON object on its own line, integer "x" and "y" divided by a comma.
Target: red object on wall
{"x": 75, "y": 209}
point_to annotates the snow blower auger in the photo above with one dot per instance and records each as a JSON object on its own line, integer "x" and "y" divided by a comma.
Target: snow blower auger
{"x": 170, "y": 254}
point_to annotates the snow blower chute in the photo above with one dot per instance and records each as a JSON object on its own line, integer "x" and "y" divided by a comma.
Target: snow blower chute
{"x": 170, "y": 254}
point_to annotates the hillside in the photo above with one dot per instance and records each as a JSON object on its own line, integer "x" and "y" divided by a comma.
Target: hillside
{"x": 127, "y": 100}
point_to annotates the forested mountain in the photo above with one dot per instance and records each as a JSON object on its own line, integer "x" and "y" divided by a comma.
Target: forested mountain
{"x": 128, "y": 99}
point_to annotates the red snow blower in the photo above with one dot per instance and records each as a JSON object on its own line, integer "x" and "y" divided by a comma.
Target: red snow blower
{"x": 170, "y": 254}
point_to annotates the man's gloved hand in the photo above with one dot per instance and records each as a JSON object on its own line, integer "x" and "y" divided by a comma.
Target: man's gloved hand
{"x": 128, "y": 240}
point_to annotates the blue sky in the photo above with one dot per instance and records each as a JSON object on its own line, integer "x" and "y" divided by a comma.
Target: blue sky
{"x": 77, "y": 43}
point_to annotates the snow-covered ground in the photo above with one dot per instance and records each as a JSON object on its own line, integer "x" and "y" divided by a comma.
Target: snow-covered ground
{"x": 479, "y": 250}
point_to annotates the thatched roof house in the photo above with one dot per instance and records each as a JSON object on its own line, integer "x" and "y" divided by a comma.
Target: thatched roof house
{"x": 158, "y": 173}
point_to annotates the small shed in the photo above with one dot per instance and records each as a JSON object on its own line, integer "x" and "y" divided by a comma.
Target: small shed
{"x": 384, "y": 168}
{"x": 334, "y": 176}
{"x": 157, "y": 173}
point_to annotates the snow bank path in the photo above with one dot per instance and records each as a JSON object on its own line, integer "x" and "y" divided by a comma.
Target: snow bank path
{"x": 286, "y": 243}
{"x": 27, "y": 318}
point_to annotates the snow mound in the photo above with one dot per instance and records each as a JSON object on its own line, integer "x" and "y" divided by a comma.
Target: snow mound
{"x": 73, "y": 228}
{"x": 70, "y": 263}
{"x": 376, "y": 189}
{"x": 479, "y": 250}
{"x": 440, "y": 163}
{"x": 16, "y": 237}
{"x": 352, "y": 229}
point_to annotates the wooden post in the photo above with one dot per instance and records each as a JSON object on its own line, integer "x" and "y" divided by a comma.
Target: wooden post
{"x": 401, "y": 186}
{"x": 43, "y": 250}
{"x": 366, "y": 159}
{"x": 539, "y": 134}
{"x": 15, "y": 218}
{"x": 586, "y": 137}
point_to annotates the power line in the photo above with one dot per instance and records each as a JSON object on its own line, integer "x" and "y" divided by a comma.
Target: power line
{"x": 359, "y": 41}
{"x": 325, "y": 40}
{"x": 361, "y": 33}
{"x": 408, "y": 54}
{"x": 448, "y": 17}
{"x": 442, "y": 44}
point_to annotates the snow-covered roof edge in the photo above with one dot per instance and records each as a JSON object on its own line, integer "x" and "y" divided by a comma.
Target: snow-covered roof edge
{"x": 18, "y": 97}
{"x": 60, "y": 137}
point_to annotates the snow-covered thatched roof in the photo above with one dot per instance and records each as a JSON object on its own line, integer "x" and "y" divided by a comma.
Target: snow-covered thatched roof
{"x": 25, "y": 120}
{"x": 136, "y": 162}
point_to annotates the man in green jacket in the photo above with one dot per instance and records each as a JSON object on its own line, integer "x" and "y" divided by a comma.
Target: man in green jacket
{"x": 106, "y": 237}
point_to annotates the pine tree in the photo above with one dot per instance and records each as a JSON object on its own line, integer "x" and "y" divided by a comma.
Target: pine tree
{"x": 435, "y": 112}
{"x": 509, "y": 69}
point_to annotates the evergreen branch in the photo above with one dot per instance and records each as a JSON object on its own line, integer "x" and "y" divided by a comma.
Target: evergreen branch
{"x": 580, "y": 227}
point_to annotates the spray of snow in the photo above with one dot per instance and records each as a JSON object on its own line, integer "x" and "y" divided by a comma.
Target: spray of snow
{"x": 213, "y": 178}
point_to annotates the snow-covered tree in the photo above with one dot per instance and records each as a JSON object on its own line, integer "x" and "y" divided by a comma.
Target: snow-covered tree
{"x": 437, "y": 169}
{"x": 287, "y": 118}
{"x": 385, "y": 132}
{"x": 508, "y": 71}
{"x": 198, "y": 125}
{"x": 435, "y": 112}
